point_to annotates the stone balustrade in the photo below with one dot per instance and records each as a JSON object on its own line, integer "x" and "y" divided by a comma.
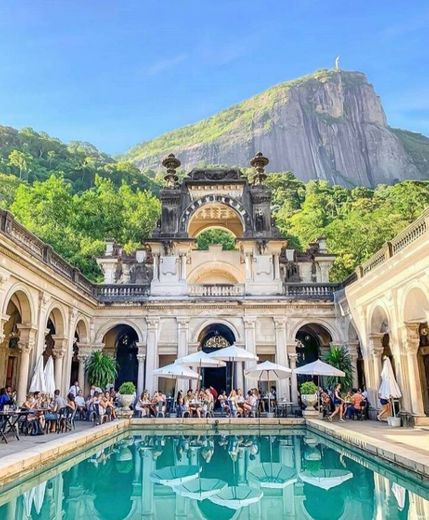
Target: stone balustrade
{"x": 216, "y": 290}
{"x": 309, "y": 291}
{"x": 406, "y": 237}
{"x": 121, "y": 292}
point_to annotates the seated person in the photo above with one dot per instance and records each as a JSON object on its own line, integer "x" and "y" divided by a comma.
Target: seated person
{"x": 80, "y": 403}
{"x": 143, "y": 405}
{"x": 357, "y": 400}
{"x": 223, "y": 401}
{"x": 4, "y": 398}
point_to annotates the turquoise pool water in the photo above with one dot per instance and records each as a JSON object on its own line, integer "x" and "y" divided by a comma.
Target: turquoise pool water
{"x": 218, "y": 476}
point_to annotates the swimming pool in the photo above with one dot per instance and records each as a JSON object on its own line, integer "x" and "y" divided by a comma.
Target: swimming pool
{"x": 219, "y": 475}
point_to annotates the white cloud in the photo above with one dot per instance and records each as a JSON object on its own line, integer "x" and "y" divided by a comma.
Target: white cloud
{"x": 165, "y": 64}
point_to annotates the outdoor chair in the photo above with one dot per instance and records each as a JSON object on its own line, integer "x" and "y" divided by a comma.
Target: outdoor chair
{"x": 66, "y": 420}
{"x": 160, "y": 409}
{"x": 210, "y": 411}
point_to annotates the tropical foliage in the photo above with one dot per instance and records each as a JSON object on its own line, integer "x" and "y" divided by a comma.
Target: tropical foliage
{"x": 216, "y": 236}
{"x": 339, "y": 357}
{"x": 101, "y": 370}
{"x": 75, "y": 197}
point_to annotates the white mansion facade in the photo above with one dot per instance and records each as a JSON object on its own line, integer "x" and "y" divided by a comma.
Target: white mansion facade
{"x": 170, "y": 298}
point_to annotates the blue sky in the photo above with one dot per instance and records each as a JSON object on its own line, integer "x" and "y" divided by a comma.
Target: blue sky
{"x": 117, "y": 72}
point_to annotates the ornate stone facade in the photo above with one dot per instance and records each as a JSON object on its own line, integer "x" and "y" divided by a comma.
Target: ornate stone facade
{"x": 170, "y": 298}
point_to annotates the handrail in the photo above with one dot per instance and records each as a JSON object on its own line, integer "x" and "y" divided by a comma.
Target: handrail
{"x": 311, "y": 290}
{"x": 402, "y": 240}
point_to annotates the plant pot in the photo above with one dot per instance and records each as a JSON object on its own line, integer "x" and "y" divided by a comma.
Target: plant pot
{"x": 309, "y": 400}
{"x": 127, "y": 400}
{"x": 394, "y": 422}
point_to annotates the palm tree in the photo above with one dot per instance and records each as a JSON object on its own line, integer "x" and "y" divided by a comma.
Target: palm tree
{"x": 101, "y": 370}
{"x": 339, "y": 357}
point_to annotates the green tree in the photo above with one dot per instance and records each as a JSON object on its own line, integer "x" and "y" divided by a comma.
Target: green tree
{"x": 216, "y": 236}
{"x": 20, "y": 161}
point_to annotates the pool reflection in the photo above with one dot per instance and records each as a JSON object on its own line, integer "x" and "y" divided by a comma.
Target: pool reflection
{"x": 220, "y": 476}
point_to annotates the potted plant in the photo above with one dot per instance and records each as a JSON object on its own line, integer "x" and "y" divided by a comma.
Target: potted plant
{"x": 128, "y": 392}
{"x": 101, "y": 370}
{"x": 309, "y": 397}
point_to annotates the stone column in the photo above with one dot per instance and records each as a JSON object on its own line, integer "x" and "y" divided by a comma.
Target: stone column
{"x": 352, "y": 348}
{"x": 182, "y": 346}
{"x": 248, "y": 266}
{"x": 156, "y": 266}
{"x": 294, "y": 379}
{"x": 283, "y": 389}
{"x": 3, "y": 349}
{"x": 239, "y": 373}
{"x": 83, "y": 356}
{"x": 26, "y": 343}
{"x": 59, "y": 352}
{"x": 412, "y": 342}
{"x": 276, "y": 265}
{"x": 373, "y": 382}
{"x": 141, "y": 357}
{"x": 250, "y": 345}
{"x": 183, "y": 260}
{"x": 325, "y": 267}
{"x": 152, "y": 358}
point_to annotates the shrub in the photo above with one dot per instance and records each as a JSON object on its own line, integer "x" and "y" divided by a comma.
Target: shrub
{"x": 127, "y": 388}
{"x": 308, "y": 388}
{"x": 101, "y": 370}
{"x": 339, "y": 357}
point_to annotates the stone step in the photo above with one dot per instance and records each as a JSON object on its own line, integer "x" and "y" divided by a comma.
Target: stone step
{"x": 421, "y": 421}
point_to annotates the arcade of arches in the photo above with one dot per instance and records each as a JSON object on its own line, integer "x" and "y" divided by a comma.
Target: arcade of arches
{"x": 262, "y": 296}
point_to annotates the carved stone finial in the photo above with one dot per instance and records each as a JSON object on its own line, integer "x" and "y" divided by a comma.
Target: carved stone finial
{"x": 171, "y": 163}
{"x": 259, "y": 162}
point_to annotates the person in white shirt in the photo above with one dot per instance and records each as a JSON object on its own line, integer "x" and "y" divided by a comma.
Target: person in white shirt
{"x": 74, "y": 389}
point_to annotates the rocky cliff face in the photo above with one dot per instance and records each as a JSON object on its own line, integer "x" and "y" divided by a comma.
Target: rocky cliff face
{"x": 329, "y": 125}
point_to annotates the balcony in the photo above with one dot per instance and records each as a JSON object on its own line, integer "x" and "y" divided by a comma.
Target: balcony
{"x": 216, "y": 290}
{"x": 311, "y": 291}
{"x": 121, "y": 293}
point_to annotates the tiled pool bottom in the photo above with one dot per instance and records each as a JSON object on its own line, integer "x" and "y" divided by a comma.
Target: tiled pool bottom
{"x": 148, "y": 474}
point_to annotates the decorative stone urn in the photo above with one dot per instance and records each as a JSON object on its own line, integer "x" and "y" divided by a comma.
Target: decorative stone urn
{"x": 127, "y": 400}
{"x": 309, "y": 400}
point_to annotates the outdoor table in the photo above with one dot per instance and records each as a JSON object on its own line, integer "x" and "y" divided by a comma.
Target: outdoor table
{"x": 10, "y": 423}
{"x": 282, "y": 408}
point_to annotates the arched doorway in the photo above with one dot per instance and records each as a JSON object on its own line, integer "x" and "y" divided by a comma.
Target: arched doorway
{"x": 312, "y": 341}
{"x": 214, "y": 337}
{"x": 423, "y": 361}
{"x": 121, "y": 342}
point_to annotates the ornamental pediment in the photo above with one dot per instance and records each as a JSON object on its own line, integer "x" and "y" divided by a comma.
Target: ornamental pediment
{"x": 200, "y": 190}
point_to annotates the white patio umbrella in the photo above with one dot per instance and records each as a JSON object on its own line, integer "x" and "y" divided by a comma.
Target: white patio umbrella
{"x": 236, "y": 497}
{"x": 326, "y": 478}
{"x": 175, "y": 475}
{"x": 389, "y": 388}
{"x": 319, "y": 368}
{"x": 201, "y": 488}
{"x": 233, "y": 354}
{"x": 49, "y": 376}
{"x": 268, "y": 371}
{"x": 175, "y": 370}
{"x": 38, "y": 383}
{"x": 272, "y": 475}
{"x": 200, "y": 360}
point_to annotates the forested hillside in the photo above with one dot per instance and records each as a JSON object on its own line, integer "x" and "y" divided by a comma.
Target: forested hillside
{"x": 74, "y": 197}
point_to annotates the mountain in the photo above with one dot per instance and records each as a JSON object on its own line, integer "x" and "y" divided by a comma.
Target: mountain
{"x": 329, "y": 125}
{"x": 28, "y": 156}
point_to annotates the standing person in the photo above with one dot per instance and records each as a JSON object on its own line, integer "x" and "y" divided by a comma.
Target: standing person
{"x": 338, "y": 403}
{"x": 74, "y": 389}
{"x": 386, "y": 409}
